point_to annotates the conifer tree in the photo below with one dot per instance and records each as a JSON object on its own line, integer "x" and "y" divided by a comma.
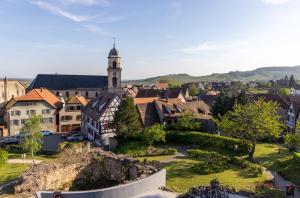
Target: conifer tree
{"x": 127, "y": 119}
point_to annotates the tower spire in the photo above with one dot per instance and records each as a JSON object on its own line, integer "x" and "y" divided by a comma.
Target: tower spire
{"x": 114, "y": 45}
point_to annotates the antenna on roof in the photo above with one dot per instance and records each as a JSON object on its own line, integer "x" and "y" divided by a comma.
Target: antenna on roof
{"x": 114, "y": 38}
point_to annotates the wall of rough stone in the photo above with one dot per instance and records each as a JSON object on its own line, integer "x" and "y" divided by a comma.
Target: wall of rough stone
{"x": 81, "y": 168}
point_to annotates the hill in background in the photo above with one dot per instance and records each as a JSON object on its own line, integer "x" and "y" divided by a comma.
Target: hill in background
{"x": 260, "y": 74}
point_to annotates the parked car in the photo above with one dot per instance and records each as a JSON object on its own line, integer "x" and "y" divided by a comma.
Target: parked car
{"x": 68, "y": 134}
{"x": 75, "y": 138}
{"x": 46, "y": 133}
{"x": 10, "y": 140}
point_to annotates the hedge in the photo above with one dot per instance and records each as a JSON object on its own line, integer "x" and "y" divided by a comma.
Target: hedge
{"x": 296, "y": 158}
{"x": 207, "y": 140}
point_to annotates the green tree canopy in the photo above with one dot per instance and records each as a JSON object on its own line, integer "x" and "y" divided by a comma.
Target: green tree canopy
{"x": 293, "y": 140}
{"x": 31, "y": 140}
{"x": 155, "y": 133}
{"x": 292, "y": 81}
{"x": 127, "y": 119}
{"x": 187, "y": 123}
{"x": 173, "y": 83}
{"x": 194, "y": 90}
{"x": 255, "y": 120}
{"x": 225, "y": 103}
{"x": 284, "y": 91}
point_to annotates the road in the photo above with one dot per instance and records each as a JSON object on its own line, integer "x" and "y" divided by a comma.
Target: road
{"x": 51, "y": 142}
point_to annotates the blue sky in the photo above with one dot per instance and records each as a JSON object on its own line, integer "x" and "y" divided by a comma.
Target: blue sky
{"x": 154, "y": 37}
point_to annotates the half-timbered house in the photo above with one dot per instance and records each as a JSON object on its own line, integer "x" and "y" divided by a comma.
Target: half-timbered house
{"x": 97, "y": 118}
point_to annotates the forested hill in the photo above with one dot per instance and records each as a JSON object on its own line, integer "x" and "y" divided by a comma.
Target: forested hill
{"x": 263, "y": 73}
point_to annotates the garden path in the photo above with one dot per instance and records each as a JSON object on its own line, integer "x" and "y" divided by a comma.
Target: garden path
{"x": 21, "y": 161}
{"x": 181, "y": 152}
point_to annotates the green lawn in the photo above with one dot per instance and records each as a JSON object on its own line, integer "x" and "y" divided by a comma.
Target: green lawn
{"x": 257, "y": 91}
{"x": 268, "y": 154}
{"x": 9, "y": 172}
{"x": 280, "y": 162}
{"x": 154, "y": 158}
{"x": 180, "y": 176}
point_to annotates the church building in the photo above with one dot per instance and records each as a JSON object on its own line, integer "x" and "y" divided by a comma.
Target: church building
{"x": 88, "y": 86}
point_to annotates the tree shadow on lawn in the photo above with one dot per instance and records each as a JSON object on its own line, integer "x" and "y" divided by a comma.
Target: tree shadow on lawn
{"x": 180, "y": 168}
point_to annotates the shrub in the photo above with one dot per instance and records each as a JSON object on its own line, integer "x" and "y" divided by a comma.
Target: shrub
{"x": 3, "y": 156}
{"x": 197, "y": 153}
{"x": 155, "y": 133}
{"x": 187, "y": 123}
{"x": 292, "y": 141}
{"x": 250, "y": 168}
{"x": 213, "y": 161}
{"x": 15, "y": 148}
{"x": 208, "y": 140}
{"x": 138, "y": 149}
{"x": 296, "y": 158}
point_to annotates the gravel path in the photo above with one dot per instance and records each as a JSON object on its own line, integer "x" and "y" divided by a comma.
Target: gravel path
{"x": 21, "y": 161}
{"x": 281, "y": 183}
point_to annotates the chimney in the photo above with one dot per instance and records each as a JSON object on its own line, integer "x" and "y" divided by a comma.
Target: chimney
{"x": 5, "y": 90}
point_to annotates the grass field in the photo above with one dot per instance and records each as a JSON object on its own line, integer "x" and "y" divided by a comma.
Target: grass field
{"x": 281, "y": 162}
{"x": 257, "y": 91}
{"x": 9, "y": 172}
{"x": 181, "y": 177}
{"x": 154, "y": 158}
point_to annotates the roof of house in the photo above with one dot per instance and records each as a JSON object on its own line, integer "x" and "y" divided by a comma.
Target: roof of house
{"x": 97, "y": 106}
{"x": 208, "y": 99}
{"x": 148, "y": 93}
{"x": 144, "y": 100}
{"x": 36, "y": 95}
{"x": 162, "y": 85}
{"x": 67, "y": 82}
{"x": 77, "y": 100}
{"x": 148, "y": 113}
{"x": 283, "y": 103}
{"x": 198, "y": 108}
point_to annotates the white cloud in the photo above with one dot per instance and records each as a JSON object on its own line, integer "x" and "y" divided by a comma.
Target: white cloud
{"x": 276, "y": 1}
{"x": 206, "y": 46}
{"x": 59, "y": 11}
{"x": 96, "y": 29}
{"x": 88, "y": 2}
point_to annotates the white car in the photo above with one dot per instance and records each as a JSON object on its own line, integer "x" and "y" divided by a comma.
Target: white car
{"x": 46, "y": 133}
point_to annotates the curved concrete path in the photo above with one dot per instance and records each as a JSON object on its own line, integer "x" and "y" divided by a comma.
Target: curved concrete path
{"x": 21, "y": 161}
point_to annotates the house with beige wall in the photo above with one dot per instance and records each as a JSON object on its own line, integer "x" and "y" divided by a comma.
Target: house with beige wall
{"x": 36, "y": 102}
{"x": 70, "y": 114}
{"x": 10, "y": 89}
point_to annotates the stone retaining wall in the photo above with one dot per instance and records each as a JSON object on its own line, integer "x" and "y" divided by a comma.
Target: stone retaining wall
{"x": 153, "y": 182}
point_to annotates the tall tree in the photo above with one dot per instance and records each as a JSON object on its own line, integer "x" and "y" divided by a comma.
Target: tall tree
{"x": 31, "y": 137}
{"x": 292, "y": 81}
{"x": 127, "y": 119}
{"x": 223, "y": 104}
{"x": 242, "y": 98}
{"x": 251, "y": 122}
{"x": 194, "y": 90}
